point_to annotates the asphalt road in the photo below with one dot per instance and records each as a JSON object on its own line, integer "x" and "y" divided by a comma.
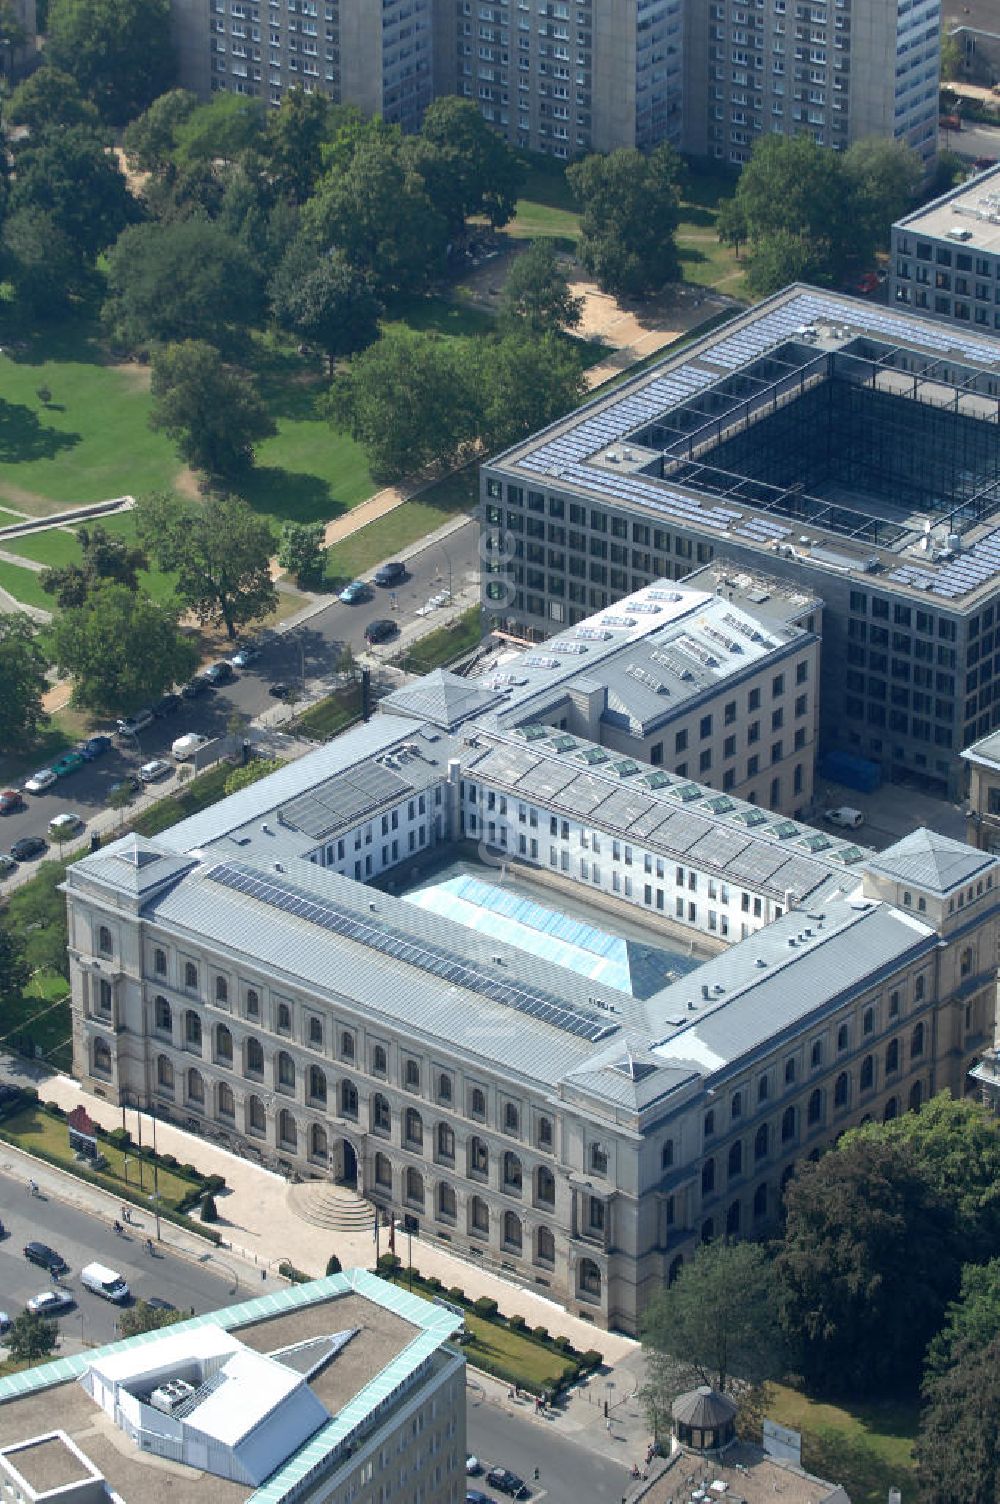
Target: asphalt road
{"x": 569, "y": 1471}
{"x": 82, "y": 1239}
{"x": 307, "y": 652}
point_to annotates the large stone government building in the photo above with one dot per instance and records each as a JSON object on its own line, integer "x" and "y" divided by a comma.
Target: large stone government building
{"x": 299, "y": 970}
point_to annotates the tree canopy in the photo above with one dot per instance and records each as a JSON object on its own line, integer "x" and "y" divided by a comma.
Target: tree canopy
{"x": 971, "y": 1321}
{"x": 150, "y": 139}
{"x": 50, "y": 98}
{"x": 22, "y": 681}
{"x": 31, "y": 1337}
{"x": 958, "y": 1446}
{"x": 470, "y": 169}
{"x": 119, "y": 51}
{"x": 142, "y": 1317}
{"x": 121, "y": 649}
{"x": 221, "y": 552}
{"x": 14, "y": 969}
{"x": 69, "y": 175}
{"x": 536, "y": 295}
{"x": 104, "y": 557}
{"x": 629, "y": 211}
{"x": 211, "y": 411}
{"x": 320, "y": 297}
{"x": 301, "y": 551}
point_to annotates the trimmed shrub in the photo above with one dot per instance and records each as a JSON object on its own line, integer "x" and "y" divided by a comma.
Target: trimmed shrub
{"x": 168, "y": 1161}
{"x": 288, "y": 1271}
{"x": 214, "y": 1184}
{"x": 189, "y": 1171}
{"x": 540, "y": 1333}
{"x": 592, "y": 1359}
{"x": 54, "y": 1109}
{"x": 120, "y": 1137}
{"x": 563, "y": 1344}
{"x": 570, "y": 1373}
{"x": 333, "y": 1265}
{"x": 388, "y": 1263}
{"x": 209, "y": 1211}
{"x": 486, "y": 1307}
{"x": 457, "y": 1294}
{"x": 433, "y": 1283}
{"x": 517, "y": 1323}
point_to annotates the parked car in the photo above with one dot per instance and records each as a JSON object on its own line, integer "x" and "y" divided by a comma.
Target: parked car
{"x": 279, "y": 690}
{"x": 476, "y": 1496}
{"x": 846, "y": 817}
{"x": 195, "y": 687}
{"x": 167, "y": 705}
{"x": 70, "y": 762}
{"x": 473, "y": 1466}
{"x": 94, "y": 746}
{"x": 50, "y": 1303}
{"x": 219, "y": 673}
{"x": 64, "y": 825}
{"x": 155, "y": 1303}
{"x": 131, "y": 725}
{"x": 508, "y": 1483}
{"x": 45, "y": 1257}
{"x": 10, "y": 800}
{"x": 357, "y": 590}
{"x": 245, "y": 655}
{"x": 185, "y": 747}
{"x": 154, "y": 770}
{"x": 380, "y": 630}
{"x": 27, "y": 847}
{"x": 40, "y": 781}
{"x": 7, "y": 865}
{"x": 390, "y": 574}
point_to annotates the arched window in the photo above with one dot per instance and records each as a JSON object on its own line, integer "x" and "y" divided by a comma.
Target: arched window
{"x": 346, "y": 1044}
{"x": 412, "y": 1075}
{"x": 380, "y": 1064}
{"x": 479, "y": 1158}
{"x": 667, "y": 1155}
{"x": 105, "y": 946}
{"x": 735, "y": 1159}
{"x": 413, "y": 1128}
{"x": 447, "y": 1205}
{"x": 477, "y": 1103}
{"x": 319, "y": 1145}
{"x": 316, "y": 1032}
{"x": 917, "y": 1042}
{"x": 890, "y": 1110}
{"x": 761, "y": 1143}
{"x": 317, "y": 1085}
{"x": 733, "y": 1219}
{"x": 102, "y": 1058}
{"x": 762, "y": 1089}
{"x": 760, "y": 1201}
{"x": 445, "y": 1141}
{"x": 286, "y": 1071}
{"x": 816, "y": 1054}
{"x": 815, "y": 1109}
{"x": 413, "y": 1194}
{"x": 253, "y": 1003}
{"x": 190, "y": 976}
{"x": 589, "y": 1279}
{"x": 736, "y": 1110}
{"x": 383, "y": 1172}
{"x": 381, "y": 1114}
{"x": 843, "y": 1038}
{"x": 788, "y": 1125}
{"x": 221, "y": 990}
{"x": 511, "y": 1118}
{"x": 916, "y": 1096}
{"x": 676, "y": 1265}
{"x": 288, "y": 1133}
{"x": 512, "y": 1231}
{"x": 444, "y": 1087}
{"x": 545, "y": 1133}
{"x": 708, "y": 1176}
{"x": 195, "y": 1088}
{"x": 284, "y": 1019}
{"x": 348, "y": 1099}
{"x": 790, "y": 1071}
{"x": 867, "y": 1077}
{"x": 545, "y": 1186}
{"x": 256, "y": 1116}
{"x": 223, "y": 1044}
{"x": 164, "y": 1073}
{"x": 160, "y": 962}
{"x": 512, "y": 1173}
{"x": 892, "y": 1056}
{"x": 479, "y": 1217}
{"x": 192, "y": 1030}
{"x": 868, "y": 1021}
{"x": 842, "y": 1090}
{"x": 254, "y": 1057}
{"x": 545, "y": 1246}
{"x": 163, "y": 1015}
{"x": 225, "y": 1102}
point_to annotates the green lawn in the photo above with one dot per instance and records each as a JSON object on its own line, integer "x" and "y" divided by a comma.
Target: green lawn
{"x": 867, "y": 1448}
{"x": 23, "y": 585}
{"x": 445, "y": 644}
{"x": 55, "y": 547}
{"x": 329, "y": 716}
{"x": 440, "y": 316}
{"x": 536, "y": 1365}
{"x": 59, "y": 546}
{"x": 41, "y": 1018}
{"x": 388, "y": 535}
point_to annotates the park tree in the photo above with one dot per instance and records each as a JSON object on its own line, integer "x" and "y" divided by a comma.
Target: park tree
{"x": 22, "y": 681}
{"x": 182, "y": 281}
{"x": 780, "y": 258}
{"x": 294, "y": 138}
{"x": 302, "y": 552}
{"x": 142, "y": 1317}
{"x": 629, "y": 210}
{"x": 48, "y": 99}
{"x": 190, "y": 190}
{"x": 69, "y": 175}
{"x": 41, "y": 262}
{"x": 958, "y": 1445}
{"x": 31, "y": 1337}
{"x": 36, "y": 915}
{"x": 522, "y": 384}
{"x": 971, "y": 1322}
{"x": 224, "y": 130}
{"x": 883, "y": 179}
{"x": 866, "y": 1268}
{"x": 121, "y": 649}
{"x": 731, "y": 224}
{"x": 375, "y": 209}
{"x": 469, "y": 170}
{"x": 715, "y": 1323}
{"x": 536, "y": 295}
{"x": 409, "y": 400}
{"x": 14, "y": 969}
{"x": 321, "y": 298}
{"x": 220, "y": 551}
{"x": 211, "y": 411}
{"x": 103, "y": 557}
{"x": 119, "y": 51}
{"x": 150, "y": 140}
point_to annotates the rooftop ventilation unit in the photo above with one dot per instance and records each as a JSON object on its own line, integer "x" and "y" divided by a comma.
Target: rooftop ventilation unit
{"x": 170, "y": 1396}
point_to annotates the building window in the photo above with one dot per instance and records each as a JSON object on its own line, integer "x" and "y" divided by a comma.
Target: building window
{"x": 512, "y": 1173}
{"x": 162, "y": 1015}
{"x": 223, "y": 1045}
{"x": 195, "y": 1089}
{"x": 589, "y": 1278}
{"x": 447, "y": 1205}
{"x": 284, "y": 1019}
{"x": 413, "y": 1193}
{"x": 512, "y": 1231}
{"x": 444, "y": 1087}
{"x": 867, "y": 1078}
{"x": 545, "y": 1133}
{"x": 383, "y": 1172}
{"x": 445, "y": 1142}
{"x": 479, "y": 1158}
{"x": 511, "y": 1118}
{"x": 788, "y": 1125}
{"x": 346, "y": 1045}
{"x": 192, "y": 1030}
{"x": 545, "y": 1186}
{"x": 379, "y": 1061}
{"x": 412, "y": 1075}
{"x": 104, "y": 945}
{"x": 917, "y": 1042}
{"x": 253, "y": 1004}
{"x": 761, "y": 1142}
{"x": 477, "y": 1103}
{"x": 164, "y": 1073}
{"x": 545, "y": 1246}
{"x": 221, "y": 990}
{"x": 667, "y": 1155}
{"x": 814, "y": 1111}
{"x": 102, "y": 1058}
{"x": 842, "y": 1090}
{"x": 225, "y": 1102}
{"x": 190, "y": 976}
{"x": 413, "y": 1129}
{"x": 160, "y": 963}
{"x": 381, "y": 1114}
{"x": 316, "y": 1032}
{"x": 735, "y": 1165}
{"x": 708, "y": 1176}
{"x": 316, "y": 1088}
{"x": 348, "y": 1100}
{"x": 598, "y": 1159}
{"x": 479, "y": 1217}
{"x": 256, "y": 1116}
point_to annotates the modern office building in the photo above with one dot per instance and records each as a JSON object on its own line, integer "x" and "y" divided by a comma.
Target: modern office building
{"x": 567, "y": 1012}
{"x": 945, "y": 257}
{"x": 573, "y": 76}
{"x": 849, "y": 450}
{"x": 340, "y": 1391}
{"x": 833, "y": 70}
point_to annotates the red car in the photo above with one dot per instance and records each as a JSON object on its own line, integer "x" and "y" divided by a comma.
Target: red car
{"x": 10, "y": 800}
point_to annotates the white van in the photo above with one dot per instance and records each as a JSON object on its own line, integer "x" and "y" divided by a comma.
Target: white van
{"x": 846, "y": 817}
{"x": 104, "y": 1281}
{"x": 185, "y": 747}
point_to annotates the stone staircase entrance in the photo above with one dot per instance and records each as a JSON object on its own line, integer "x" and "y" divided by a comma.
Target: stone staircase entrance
{"x": 333, "y": 1207}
